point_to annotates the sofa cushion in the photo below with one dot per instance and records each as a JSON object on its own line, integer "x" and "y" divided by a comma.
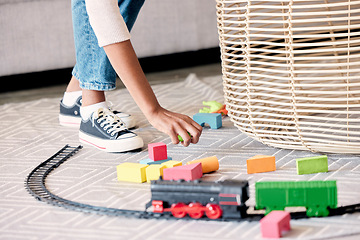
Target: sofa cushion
{"x": 36, "y": 35}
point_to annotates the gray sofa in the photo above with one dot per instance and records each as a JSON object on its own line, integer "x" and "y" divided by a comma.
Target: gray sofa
{"x": 36, "y": 35}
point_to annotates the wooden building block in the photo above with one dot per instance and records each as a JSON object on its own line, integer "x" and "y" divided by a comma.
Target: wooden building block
{"x": 260, "y": 163}
{"x": 149, "y": 161}
{"x": 213, "y": 119}
{"x": 153, "y": 172}
{"x": 312, "y": 165}
{"x": 181, "y": 139}
{"x": 157, "y": 151}
{"x": 146, "y": 161}
{"x": 131, "y": 172}
{"x": 172, "y": 163}
{"x": 160, "y": 161}
{"x": 209, "y": 164}
{"x": 186, "y": 172}
{"x": 273, "y": 224}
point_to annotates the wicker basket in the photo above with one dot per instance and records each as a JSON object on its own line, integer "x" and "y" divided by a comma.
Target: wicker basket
{"x": 291, "y": 71}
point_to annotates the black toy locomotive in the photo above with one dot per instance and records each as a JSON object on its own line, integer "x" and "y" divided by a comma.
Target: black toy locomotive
{"x": 225, "y": 199}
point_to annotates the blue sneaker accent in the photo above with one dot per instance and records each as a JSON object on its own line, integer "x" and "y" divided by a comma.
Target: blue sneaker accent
{"x": 70, "y": 116}
{"x": 106, "y": 131}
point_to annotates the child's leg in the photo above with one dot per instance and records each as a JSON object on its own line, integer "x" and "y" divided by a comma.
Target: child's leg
{"x": 129, "y": 9}
{"x": 93, "y": 71}
{"x": 99, "y": 127}
{"x": 96, "y": 63}
{"x": 73, "y": 85}
{"x": 91, "y": 97}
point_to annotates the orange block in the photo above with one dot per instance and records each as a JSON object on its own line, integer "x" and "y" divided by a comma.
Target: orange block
{"x": 209, "y": 164}
{"x": 261, "y": 163}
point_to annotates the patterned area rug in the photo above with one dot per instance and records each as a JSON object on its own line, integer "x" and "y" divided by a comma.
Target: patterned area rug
{"x": 31, "y": 134}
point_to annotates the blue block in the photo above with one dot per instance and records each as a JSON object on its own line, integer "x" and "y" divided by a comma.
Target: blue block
{"x": 146, "y": 161}
{"x": 213, "y": 119}
{"x": 149, "y": 161}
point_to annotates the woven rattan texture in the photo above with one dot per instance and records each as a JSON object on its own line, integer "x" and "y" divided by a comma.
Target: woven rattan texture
{"x": 291, "y": 71}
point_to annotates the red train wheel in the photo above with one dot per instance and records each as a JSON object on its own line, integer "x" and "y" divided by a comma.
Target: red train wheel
{"x": 195, "y": 210}
{"x": 213, "y": 211}
{"x": 178, "y": 210}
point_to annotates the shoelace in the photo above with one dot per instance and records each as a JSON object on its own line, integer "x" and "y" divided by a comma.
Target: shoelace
{"x": 111, "y": 123}
{"x": 110, "y": 105}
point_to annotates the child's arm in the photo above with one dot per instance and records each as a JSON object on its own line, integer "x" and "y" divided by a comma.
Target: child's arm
{"x": 125, "y": 62}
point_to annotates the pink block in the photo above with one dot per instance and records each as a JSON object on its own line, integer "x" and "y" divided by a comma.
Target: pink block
{"x": 157, "y": 151}
{"x": 273, "y": 224}
{"x": 186, "y": 172}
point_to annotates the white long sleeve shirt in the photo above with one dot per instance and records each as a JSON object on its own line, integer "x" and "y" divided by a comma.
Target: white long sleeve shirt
{"x": 106, "y": 21}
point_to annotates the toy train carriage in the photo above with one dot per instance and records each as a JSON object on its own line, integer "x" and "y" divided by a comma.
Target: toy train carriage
{"x": 316, "y": 196}
{"x": 224, "y": 199}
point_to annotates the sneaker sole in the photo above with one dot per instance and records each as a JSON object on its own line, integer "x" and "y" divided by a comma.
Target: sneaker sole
{"x": 121, "y": 145}
{"x": 69, "y": 121}
{"x": 74, "y": 122}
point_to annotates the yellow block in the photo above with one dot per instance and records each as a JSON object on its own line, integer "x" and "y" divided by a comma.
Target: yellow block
{"x": 171, "y": 163}
{"x": 131, "y": 172}
{"x": 260, "y": 163}
{"x": 209, "y": 164}
{"x": 154, "y": 171}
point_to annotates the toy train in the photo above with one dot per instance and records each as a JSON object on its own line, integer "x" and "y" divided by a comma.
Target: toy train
{"x": 226, "y": 199}
{"x": 218, "y": 200}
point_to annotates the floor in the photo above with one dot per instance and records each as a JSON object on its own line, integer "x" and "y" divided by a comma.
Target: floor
{"x": 31, "y": 133}
{"x": 154, "y": 78}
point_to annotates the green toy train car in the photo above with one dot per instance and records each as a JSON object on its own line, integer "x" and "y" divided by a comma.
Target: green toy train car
{"x": 316, "y": 196}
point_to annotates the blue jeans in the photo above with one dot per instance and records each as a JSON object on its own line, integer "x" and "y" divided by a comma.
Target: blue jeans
{"x": 93, "y": 68}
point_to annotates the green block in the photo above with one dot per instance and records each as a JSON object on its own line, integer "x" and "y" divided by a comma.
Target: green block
{"x": 312, "y": 165}
{"x": 214, "y": 106}
{"x": 316, "y": 196}
{"x": 181, "y": 139}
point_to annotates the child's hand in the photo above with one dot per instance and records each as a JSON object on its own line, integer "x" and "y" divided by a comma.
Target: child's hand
{"x": 175, "y": 124}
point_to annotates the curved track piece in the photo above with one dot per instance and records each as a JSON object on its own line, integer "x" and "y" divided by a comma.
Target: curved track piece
{"x": 35, "y": 184}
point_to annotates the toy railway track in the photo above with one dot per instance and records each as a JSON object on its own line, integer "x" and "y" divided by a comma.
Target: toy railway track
{"x": 35, "y": 184}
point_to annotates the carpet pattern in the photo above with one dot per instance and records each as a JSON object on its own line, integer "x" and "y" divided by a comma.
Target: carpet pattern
{"x": 30, "y": 134}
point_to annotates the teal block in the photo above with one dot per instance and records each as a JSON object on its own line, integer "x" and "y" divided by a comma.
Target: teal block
{"x": 312, "y": 165}
{"x": 149, "y": 161}
{"x": 213, "y": 119}
{"x": 160, "y": 162}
